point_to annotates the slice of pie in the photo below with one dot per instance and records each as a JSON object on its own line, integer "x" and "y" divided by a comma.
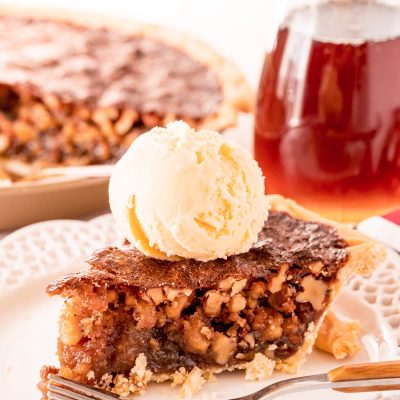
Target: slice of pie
{"x": 77, "y": 89}
{"x": 129, "y": 319}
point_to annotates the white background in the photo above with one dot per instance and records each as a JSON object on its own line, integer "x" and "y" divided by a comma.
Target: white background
{"x": 238, "y": 29}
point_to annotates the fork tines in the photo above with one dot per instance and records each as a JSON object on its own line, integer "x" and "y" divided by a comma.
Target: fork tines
{"x": 65, "y": 389}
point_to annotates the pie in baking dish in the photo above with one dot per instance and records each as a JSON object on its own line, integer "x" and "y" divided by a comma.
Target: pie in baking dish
{"x": 77, "y": 89}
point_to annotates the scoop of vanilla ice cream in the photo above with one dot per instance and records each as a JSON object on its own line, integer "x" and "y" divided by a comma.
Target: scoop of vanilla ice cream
{"x": 181, "y": 193}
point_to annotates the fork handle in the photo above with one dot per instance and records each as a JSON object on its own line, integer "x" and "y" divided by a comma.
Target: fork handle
{"x": 367, "y": 389}
{"x": 385, "y": 369}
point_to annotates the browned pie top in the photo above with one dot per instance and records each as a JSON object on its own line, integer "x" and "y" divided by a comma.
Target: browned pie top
{"x": 101, "y": 67}
{"x": 283, "y": 239}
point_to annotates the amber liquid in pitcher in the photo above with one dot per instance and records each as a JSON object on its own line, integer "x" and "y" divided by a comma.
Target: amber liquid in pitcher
{"x": 327, "y": 130}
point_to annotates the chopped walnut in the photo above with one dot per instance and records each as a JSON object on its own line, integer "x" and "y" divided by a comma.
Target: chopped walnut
{"x": 249, "y": 338}
{"x": 282, "y": 301}
{"x": 316, "y": 267}
{"x": 195, "y": 341}
{"x": 4, "y": 142}
{"x": 268, "y": 322}
{"x": 213, "y": 302}
{"x": 41, "y": 117}
{"x": 125, "y": 122}
{"x": 174, "y": 309}
{"x": 275, "y": 284}
{"x": 237, "y": 303}
{"x": 161, "y": 318}
{"x": 70, "y": 330}
{"x": 232, "y": 331}
{"x": 238, "y": 286}
{"x": 157, "y": 295}
{"x": 223, "y": 348}
{"x": 130, "y": 299}
{"x": 207, "y": 332}
{"x": 23, "y": 131}
{"x": 314, "y": 292}
{"x": 172, "y": 293}
{"x": 257, "y": 289}
{"x": 227, "y": 283}
{"x": 144, "y": 314}
{"x": 292, "y": 329}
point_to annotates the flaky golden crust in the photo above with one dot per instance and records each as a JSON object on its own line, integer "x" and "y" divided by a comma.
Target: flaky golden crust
{"x": 237, "y": 95}
{"x": 339, "y": 338}
{"x": 365, "y": 253}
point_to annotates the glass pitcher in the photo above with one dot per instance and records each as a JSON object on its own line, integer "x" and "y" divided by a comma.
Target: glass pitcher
{"x": 327, "y": 129}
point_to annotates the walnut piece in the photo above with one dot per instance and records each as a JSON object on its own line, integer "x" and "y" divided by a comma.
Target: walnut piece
{"x": 283, "y": 300}
{"x": 238, "y": 286}
{"x": 227, "y": 283}
{"x": 174, "y": 309}
{"x": 257, "y": 289}
{"x": 144, "y": 313}
{"x": 237, "y": 303}
{"x": 195, "y": 341}
{"x": 291, "y": 327}
{"x": 223, "y": 348}
{"x": 70, "y": 330}
{"x": 112, "y": 296}
{"x": 316, "y": 267}
{"x": 172, "y": 293}
{"x": 157, "y": 295}
{"x": 275, "y": 284}
{"x": 314, "y": 292}
{"x": 213, "y": 302}
{"x": 268, "y": 322}
{"x": 125, "y": 121}
{"x": 249, "y": 338}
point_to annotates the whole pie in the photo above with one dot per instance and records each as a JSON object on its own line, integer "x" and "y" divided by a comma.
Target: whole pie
{"x": 77, "y": 89}
{"x": 130, "y": 319}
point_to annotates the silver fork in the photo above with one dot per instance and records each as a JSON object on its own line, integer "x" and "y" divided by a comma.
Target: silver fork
{"x": 370, "y": 377}
{"x": 65, "y": 389}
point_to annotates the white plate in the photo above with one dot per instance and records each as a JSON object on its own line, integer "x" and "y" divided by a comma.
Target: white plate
{"x": 31, "y": 257}
{"x": 28, "y": 340}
